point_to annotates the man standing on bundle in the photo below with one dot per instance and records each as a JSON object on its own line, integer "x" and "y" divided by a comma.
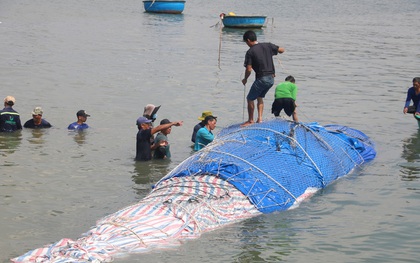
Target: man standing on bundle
{"x": 259, "y": 58}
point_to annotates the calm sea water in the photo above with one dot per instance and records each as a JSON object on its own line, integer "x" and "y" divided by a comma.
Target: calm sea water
{"x": 353, "y": 62}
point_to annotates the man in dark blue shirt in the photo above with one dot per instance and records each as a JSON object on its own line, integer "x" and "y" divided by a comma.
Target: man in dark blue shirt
{"x": 413, "y": 94}
{"x": 37, "y": 121}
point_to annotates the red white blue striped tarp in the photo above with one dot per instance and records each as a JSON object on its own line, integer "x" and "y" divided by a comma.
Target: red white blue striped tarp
{"x": 180, "y": 208}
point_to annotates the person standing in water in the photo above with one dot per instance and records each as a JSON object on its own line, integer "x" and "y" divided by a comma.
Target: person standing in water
{"x": 205, "y": 135}
{"x": 37, "y": 121}
{"x": 80, "y": 124}
{"x": 9, "y": 118}
{"x": 413, "y": 94}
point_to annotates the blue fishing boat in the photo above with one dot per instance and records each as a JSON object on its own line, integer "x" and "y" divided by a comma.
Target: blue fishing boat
{"x": 242, "y": 21}
{"x": 167, "y": 7}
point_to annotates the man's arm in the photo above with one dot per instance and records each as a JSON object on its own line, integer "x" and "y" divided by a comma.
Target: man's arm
{"x": 248, "y": 71}
{"x": 165, "y": 126}
{"x": 407, "y": 102}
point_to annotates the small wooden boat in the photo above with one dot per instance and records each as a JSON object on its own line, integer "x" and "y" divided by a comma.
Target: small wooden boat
{"x": 242, "y": 21}
{"x": 167, "y": 7}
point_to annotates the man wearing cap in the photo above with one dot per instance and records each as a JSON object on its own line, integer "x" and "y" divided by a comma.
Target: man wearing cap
{"x": 37, "y": 121}
{"x": 143, "y": 145}
{"x": 9, "y": 118}
{"x": 150, "y": 112}
{"x": 161, "y": 143}
{"x": 200, "y": 124}
{"x": 80, "y": 123}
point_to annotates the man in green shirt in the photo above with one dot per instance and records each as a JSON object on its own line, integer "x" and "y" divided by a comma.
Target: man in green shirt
{"x": 285, "y": 98}
{"x": 162, "y": 150}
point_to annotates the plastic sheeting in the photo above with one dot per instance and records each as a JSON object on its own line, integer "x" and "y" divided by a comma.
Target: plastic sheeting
{"x": 244, "y": 172}
{"x": 180, "y": 208}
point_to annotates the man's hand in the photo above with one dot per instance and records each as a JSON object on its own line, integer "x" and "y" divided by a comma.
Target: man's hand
{"x": 177, "y": 123}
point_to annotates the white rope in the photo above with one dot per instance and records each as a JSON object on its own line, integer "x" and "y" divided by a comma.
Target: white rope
{"x": 243, "y": 106}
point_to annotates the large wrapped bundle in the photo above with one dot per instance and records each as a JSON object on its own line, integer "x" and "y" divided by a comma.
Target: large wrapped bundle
{"x": 244, "y": 172}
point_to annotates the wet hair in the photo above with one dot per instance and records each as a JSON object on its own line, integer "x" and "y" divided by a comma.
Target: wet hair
{"x": 416, "y": 79}
{"x": 249, "y": 35}
{"x": 209, "y": 118}
{"x": 164, "y": 121}
{"x": 10, "y": 103}
{"x": 290, "y": 78}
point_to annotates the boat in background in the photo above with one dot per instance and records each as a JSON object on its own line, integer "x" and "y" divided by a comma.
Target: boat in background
{"x": 234, "y": 21}
{"x": 166, "y": 7}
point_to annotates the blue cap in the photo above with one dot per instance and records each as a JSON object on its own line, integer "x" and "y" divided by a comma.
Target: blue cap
{"x": 142, "y": 120}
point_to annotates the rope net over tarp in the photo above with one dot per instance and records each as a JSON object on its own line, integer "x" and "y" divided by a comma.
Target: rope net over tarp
{"x": 244, "y": 172}
{"x": 274, "y": 162}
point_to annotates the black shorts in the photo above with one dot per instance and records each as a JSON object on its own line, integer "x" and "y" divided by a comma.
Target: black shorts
{"x": 288, "y": 104}
{"x": 411, "y": 109}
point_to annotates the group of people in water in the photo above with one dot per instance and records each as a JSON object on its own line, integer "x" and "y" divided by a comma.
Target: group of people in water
{"x": 148, "y": 146}
{"x": 10, "y": 118}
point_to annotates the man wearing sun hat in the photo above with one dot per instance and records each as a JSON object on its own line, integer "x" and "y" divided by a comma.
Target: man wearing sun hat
{"x": 37, "y": 121}
{"x": 150, "y": 112}
{"x": 200, "y": 124}
{"x": 9, "y": 118}
{"x": 80, "y": 123}
{"x": 143, "y": 144}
